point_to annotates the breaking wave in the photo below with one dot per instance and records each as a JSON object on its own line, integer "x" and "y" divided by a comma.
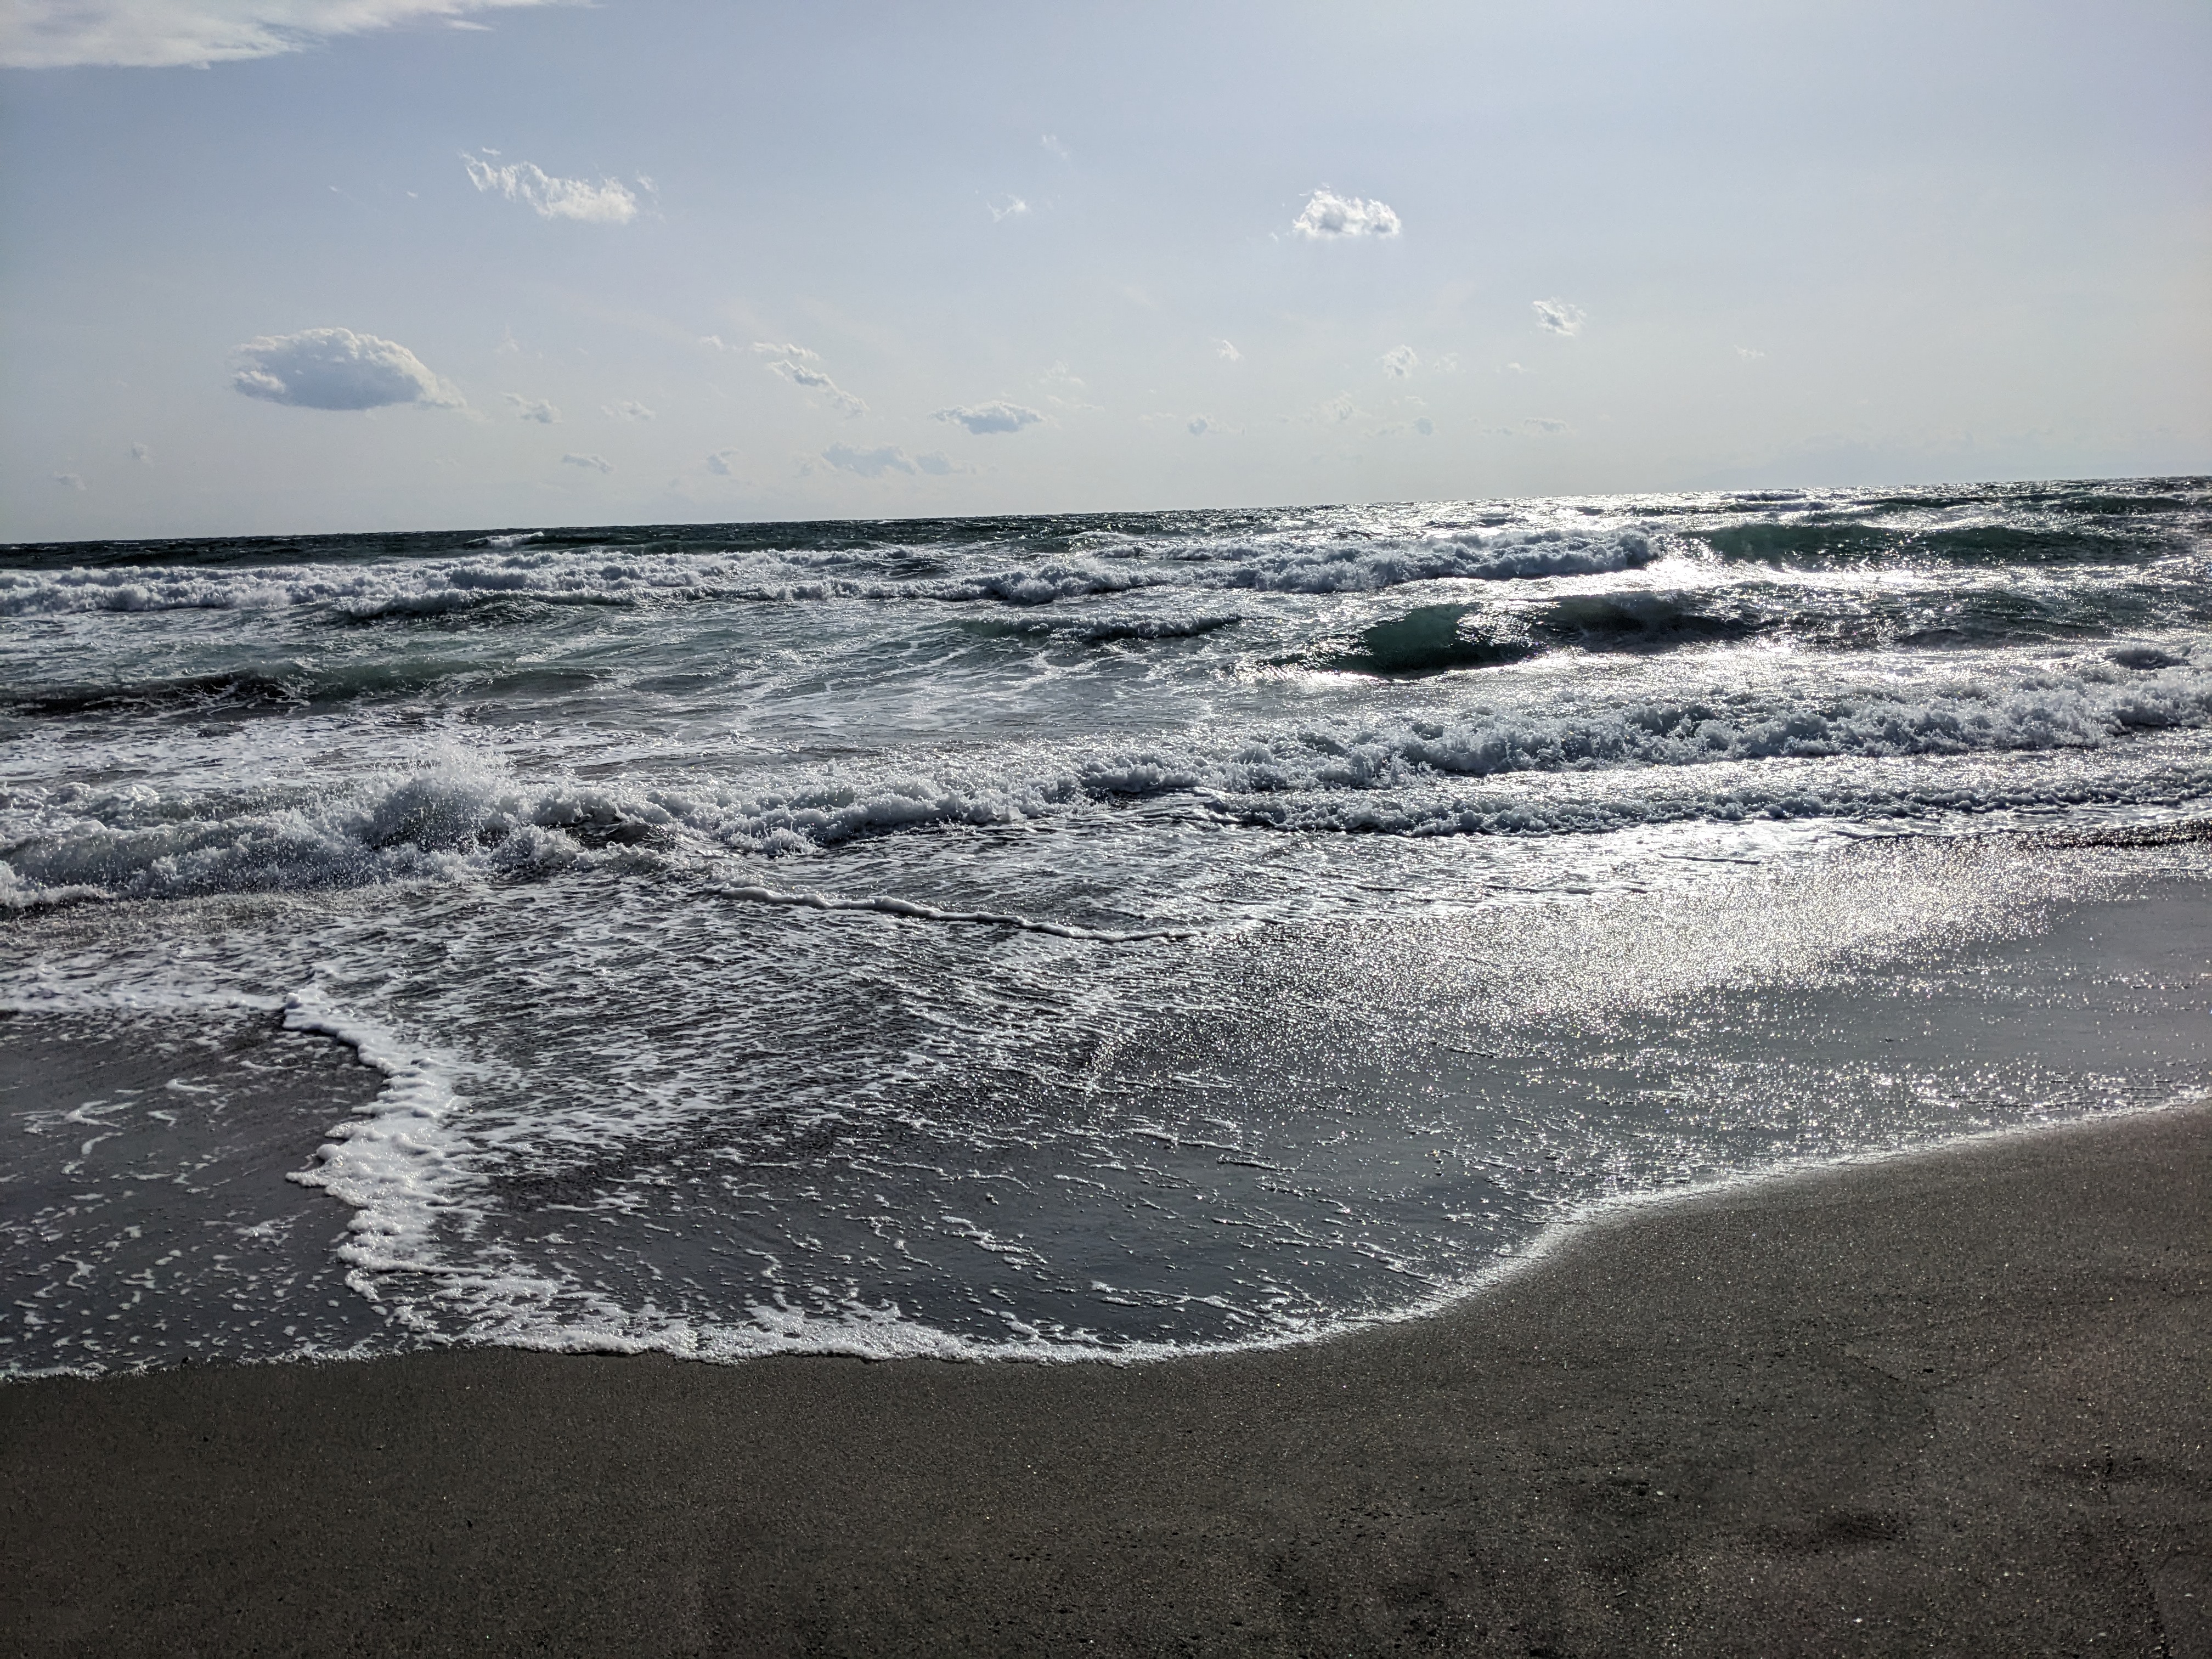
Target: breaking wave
{"x": 74, "y": 843}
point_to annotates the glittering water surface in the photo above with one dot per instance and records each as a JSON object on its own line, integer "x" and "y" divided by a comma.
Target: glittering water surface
{"x": 1051, "y": 937}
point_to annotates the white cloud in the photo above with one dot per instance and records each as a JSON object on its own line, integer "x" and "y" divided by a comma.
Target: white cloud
{"x": 1336, "y": 411}
{"x": 768, "y": 350}
{"x": 1558, "y": 317}
{"x": 1222, "y": 349}
{"x": 1014, "y": 208}
{"x": 720, "y": 462}
{"x": 1543, "y": 423}
{"x": 628, "y": 409}
{"x": 868, "y": 463}
{"x": 589, "y": 463}
{"x": 1400, "y": 363}
{"x": 607, "y": 202}
{"x": 1053, "y": 146}
{"x": 939, "y": 465}
{"x": 815, "y": 380}
{"x": 1328, "y": 216}
{"x": 990, "y": 417}
{"x": 1199, "y": 425}
{"x": 338, "y": 369}
{"x": 534, "y": 408}
{"x": 70, "y": 481}
{"x": 140, "y": 454}
{"x": 193, "y": 34}
{"x": 1511, "y": 368}
{"x": 1748, "y": 355}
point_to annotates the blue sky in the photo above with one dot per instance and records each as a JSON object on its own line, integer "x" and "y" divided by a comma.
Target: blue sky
{"x": 655, "y": 260}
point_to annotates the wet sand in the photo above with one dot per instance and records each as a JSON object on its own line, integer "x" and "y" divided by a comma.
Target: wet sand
{"x": 1953, "y": 1403}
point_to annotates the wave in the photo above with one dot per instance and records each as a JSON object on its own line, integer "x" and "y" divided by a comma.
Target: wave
{"x": 1815, "y": 542}
{"x": 563, "y": 576}
{"x": 1396, "y": 775}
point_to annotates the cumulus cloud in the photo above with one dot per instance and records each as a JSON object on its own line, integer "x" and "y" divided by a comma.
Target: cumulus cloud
{"x": 1543, "y": 425}
{"x": 589, "y": 463}
{"x": 1222, "y": 349}
{"x": 1199, "y": 425}
{"x": 193, "y": 34}
{"x": 70, "y": 480}
{"x": 1336, "y": 411}
{"x": 1558, "y": 317}
{"x": 1400, "y": 363}
{"x": 607, "y": 202}
{"x": 939, "y": 465}
{"x": 1748, "y": 355}
{"x": 718, "y": 462}
{"x": 534, "y": 408}
{"x": 338, "y": 369}
{"x": 1328, "y": 216}
{"x": 980, "y": 418}
{"x": 628, "y": 409}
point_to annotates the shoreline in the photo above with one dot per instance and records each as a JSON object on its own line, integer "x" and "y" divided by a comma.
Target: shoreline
{"x": 1949, "y": 1401}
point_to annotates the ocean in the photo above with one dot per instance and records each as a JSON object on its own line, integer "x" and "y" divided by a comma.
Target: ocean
{"x": 1102, "y": 936}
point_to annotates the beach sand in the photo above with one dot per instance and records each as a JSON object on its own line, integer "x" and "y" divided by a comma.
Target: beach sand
{"x": 1954, "y": 1402}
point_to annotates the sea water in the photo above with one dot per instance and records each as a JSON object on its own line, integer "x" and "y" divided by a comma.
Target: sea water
{"x": 1099, "y": 936}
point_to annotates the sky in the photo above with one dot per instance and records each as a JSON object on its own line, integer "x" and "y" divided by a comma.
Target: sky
{"x": 294, "y": 266}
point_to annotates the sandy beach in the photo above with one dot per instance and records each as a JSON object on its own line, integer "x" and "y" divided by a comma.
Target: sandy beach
{"x": 1950, "y": 1403}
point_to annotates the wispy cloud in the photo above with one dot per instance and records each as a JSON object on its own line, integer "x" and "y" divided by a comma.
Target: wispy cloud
{"x": 628, "y": 409}
{"x": 338, "y": 369}
{"x": 1558, "y": 317}
{"x": 1748, "y": 355}
{"x": 1330, "y": 217}
{"x": 534, "y": 408}
{"x": 1223, "y": 349}
{"x": 767, "y": 349}
{"x": 980, "y": 418}
{"x": 193, "y": 34}
{"x": 867, "y": 463}
{"x": 588, "y": 463}
{"x": 1399, "y": 362}
{"x": 1054, "y": 147}
{"x": 607, "y": 202}
{"x": 1013, "y": 207}
{"x": 815, "y": 380}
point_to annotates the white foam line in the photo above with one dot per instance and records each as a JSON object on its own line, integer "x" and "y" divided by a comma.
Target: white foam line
{"x": 396, "y": 1163}
{"x": 917, "y": 912}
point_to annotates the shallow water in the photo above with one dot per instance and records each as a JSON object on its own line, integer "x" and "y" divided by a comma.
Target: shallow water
{"x": 1054, "y": 937}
